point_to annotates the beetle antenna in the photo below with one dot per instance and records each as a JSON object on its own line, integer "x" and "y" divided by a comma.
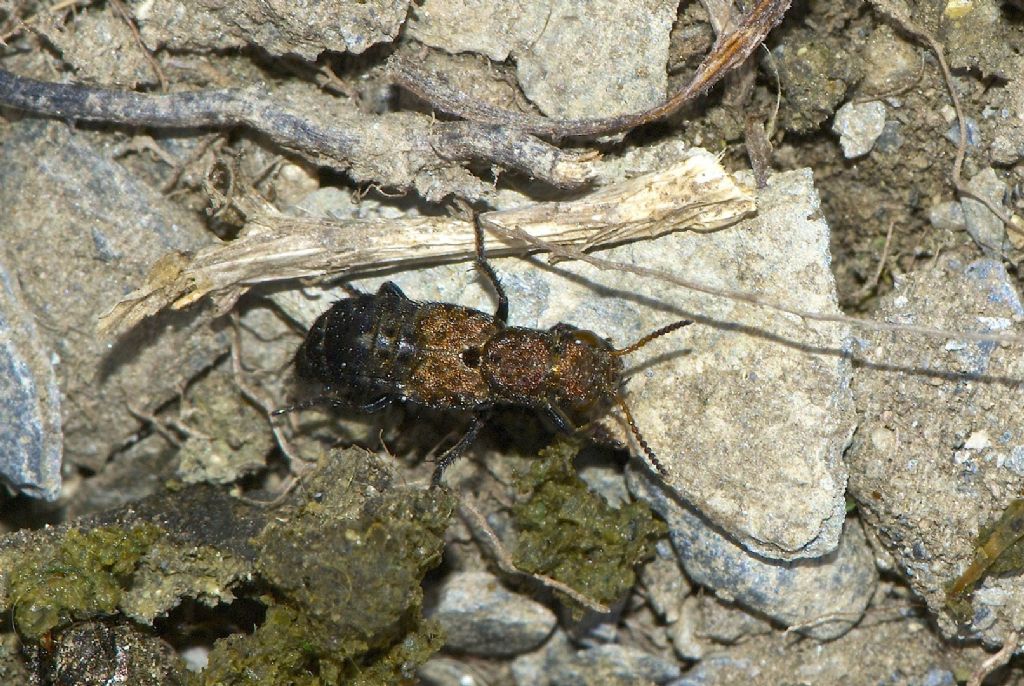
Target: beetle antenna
{"x": 636, "y": 432}
{"x": 650, "y": 337}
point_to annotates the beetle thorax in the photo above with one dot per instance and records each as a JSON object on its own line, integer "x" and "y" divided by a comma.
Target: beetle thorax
{"x": 516, "y": 364}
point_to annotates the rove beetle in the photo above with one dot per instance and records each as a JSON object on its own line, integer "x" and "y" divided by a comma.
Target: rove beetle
{"x": 371, "y": 350}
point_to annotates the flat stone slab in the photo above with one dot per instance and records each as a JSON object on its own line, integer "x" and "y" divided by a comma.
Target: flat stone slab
{"x": 939, "y": 454}
{"x": 821, "y": 598}
{"x": 749, "y": 409}
{"x": 80, "y": 230}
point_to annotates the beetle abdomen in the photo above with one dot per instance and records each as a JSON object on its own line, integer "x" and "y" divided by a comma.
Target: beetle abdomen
{"x": 360, "y": 346}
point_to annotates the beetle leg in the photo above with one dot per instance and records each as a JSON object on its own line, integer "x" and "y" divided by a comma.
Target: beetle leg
{"x": 370, "y": 407}
{"x": 301, "y": 405}
{"x": 560, "y": 419}
{"x": 390, "y": 289}
{"x": 593, "y": 429}
{"x": 376, "y": 405}
{"x": 456, "y": 451}
{"x": 501, "y": 313}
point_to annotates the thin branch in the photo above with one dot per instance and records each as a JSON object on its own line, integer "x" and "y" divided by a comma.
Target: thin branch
{"x": 122, "y": 12}
{"x": 486, "y": 537}
{"x": 730, "y": 50}
{"x": 872, "y": 283}
{"x": 571, "y": 253}
{"x": 342, "y": 144}
{"x": 994, "y": 662}
{"x": 901, "y": 17}
{"x": 850, "y": 618}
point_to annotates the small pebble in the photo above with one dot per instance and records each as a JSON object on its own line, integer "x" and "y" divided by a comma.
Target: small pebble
{"x": 973, "y": 134}
{"x": 859, "y": 125}
{"x": 559, "y": 664}
{"x": 481, "y": 617}
{"x": 891, "y": 139}
{"x": 610, "y": 664}
{"x": 984, "y": 226}
{"x": 947, "y": 216}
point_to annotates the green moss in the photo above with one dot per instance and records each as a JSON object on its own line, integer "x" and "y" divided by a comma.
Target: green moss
{"x": 345, "y": 571}
{"x": 288, "y": 649}
{"x": 999, "y": 549}
{"x": 276, "y": 653}
{"x": 398, "y": 665}
{"x": 571, "y": 534}
{"x": 82, "y": 574}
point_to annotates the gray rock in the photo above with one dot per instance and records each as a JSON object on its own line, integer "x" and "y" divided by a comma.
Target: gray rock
{"x": 1003, "y": 120}
{"x": 948, "y": 216}
{"x": 685, "y": 632}
{"x": 142, "y": 469}
{"x": 985, "y": 227}
{"x": 664, "y": 583}
{"x": 769, "y": 391}
{"x": 558, "y": 664}
{"x": 1007, "y": 143}
{"x": 891, "y": 63}
{"x": 726, "y": 623}
{"x": 935, "y": 458}
{"x": 705, "y": 623}
{"x": 602, "y": 474}
{"x": 80, "y": 231}
{"x": 613, "y": 664}
{"x": 303, "y": 28}
{"x": 886, "y": 653}
{"x": 569, "y": 54}
{"x": 30, "y": 434}
{"x": 481, "y": 617}
{"x": 859, "y": 125}
{"x": 444, "y": 671}
{"x": 891, "y": 139}
{"x": 593, "y": 628}
{"x": 579, "y": 66}
{"x": 822, "y": 598}
{"x": 973, "y": 133}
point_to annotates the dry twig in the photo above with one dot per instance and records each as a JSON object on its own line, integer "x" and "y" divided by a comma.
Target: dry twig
{"x": 122, "y": 12}
{"x": 994, "y": 662}
{"x": 694, "y": 194}
{"x": 872, "y": 283}
{"x": 346, "y": 142}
